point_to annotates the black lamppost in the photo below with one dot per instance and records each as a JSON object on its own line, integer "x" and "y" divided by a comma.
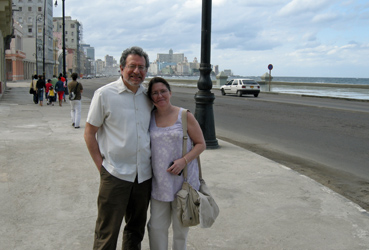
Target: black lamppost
{"x": 204, "y": 98}
{"x": 64, "y": 66}
{"x": 43, "y": 42}
{"x": 38, "y": 41}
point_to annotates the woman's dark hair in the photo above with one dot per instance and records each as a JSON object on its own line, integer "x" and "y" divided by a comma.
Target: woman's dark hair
{"x": 156, "y": 80}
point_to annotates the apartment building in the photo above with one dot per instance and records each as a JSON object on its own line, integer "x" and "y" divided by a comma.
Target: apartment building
{"x": 36, "y": 39}
{"x": 170, "y": 58}
{"x": 5, "y": 35}
{"x": 73, "y": 37}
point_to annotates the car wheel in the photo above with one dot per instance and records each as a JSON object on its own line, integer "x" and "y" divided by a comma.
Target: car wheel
{"x": 256, "y": 95}
{"x": 239, "y": 93}
{"x": 223, "y": 93}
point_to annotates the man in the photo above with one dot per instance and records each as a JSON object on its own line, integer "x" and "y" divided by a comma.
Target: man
{"x": 75, "y": 104}
{"x": 59, "y": 88}
{"x": 54, "y": 80}
{"x": 120, "y": 115}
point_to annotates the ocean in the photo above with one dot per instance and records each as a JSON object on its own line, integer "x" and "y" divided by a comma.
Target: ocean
{"x": 315, "y": 90}
{"x": 340, "y": 92}
{"x": 335, "y": 80}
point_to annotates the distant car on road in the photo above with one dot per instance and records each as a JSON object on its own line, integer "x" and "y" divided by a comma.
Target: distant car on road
{"x": 87, "y": 77}
{"x": 241, "y": 87}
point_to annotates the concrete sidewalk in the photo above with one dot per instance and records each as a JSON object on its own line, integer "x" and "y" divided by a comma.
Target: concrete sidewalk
{"x": 49, "y": 186}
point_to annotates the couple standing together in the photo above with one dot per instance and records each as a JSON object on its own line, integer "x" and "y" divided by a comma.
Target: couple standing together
{"x": 138, "y": 152}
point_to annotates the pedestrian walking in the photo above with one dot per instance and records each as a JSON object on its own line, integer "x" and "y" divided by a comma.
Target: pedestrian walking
{"x": 59, "y": 88}
{"x": 54, "y": 80}
{"x": 51, "y": 96}
{"x": 34, "y": 89}
{"x": 40, "y": 85}
{"x": 64, "y": 80}
{"x": 47, "y": 88}
{"x": 77, "y": 89}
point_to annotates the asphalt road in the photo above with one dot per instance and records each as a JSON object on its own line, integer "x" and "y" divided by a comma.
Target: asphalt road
{"x": 326, "y": 139}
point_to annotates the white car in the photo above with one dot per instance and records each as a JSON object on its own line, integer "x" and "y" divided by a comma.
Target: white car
{"x": 241, "y": 87}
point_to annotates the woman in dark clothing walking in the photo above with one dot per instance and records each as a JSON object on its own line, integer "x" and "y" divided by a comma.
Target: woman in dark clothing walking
{"x": 59, "y": 87}
{"x": 40, "y": 89}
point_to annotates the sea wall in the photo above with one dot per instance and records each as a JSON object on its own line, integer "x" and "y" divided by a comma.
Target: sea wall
{"x": 312, "y": 84}
{"x": 265, "y": 84}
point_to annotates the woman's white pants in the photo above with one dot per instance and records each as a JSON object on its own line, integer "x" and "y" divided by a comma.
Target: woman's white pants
{"x": 162, "y": 214}
{"x": 75, "y": 112}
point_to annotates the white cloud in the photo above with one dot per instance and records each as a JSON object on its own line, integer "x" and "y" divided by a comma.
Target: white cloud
{"x": 296, "y": 7}
{"x": 298, "y": 37}
{"x": 325, "y": 18}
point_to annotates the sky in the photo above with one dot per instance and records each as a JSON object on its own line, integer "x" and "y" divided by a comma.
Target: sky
{"x": 306, "y": 38}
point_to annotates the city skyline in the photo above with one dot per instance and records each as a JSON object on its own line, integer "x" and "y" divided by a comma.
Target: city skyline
{"x": 327, "y": 38}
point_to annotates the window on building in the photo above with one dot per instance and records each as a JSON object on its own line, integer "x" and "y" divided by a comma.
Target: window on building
{"x": 72, "y": 33}
{"x": 30, "y": 9}
{"x": 30, "y": 19}
{"x": 29, "y": 29}
{"x": 20, "y": 1}
{"x": 72, "y": 40}
{"x": 30, "y": 1}
{"x": 66, "y": 32}
{"x": 72, "y": 25}
{"x": 20, "y": 8}
{"x": 39, "y": 9}
{"x": 20, "y": 19}
{"x": 66, "y": 39}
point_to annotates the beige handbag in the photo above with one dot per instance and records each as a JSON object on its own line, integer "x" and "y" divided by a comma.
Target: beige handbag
{"x": 195, "y": 207}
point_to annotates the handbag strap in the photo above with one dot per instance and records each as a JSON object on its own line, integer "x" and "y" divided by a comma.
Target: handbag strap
{"x": 75, "y": 88}
{"x": 184, "y": 147}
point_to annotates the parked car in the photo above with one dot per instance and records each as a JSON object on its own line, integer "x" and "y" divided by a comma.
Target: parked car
{"x": 241, "y": 87}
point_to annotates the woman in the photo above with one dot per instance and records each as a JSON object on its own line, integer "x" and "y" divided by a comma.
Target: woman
{"x": 167, "y": 163}
{"x": 59, "y": 87}
{"x": 40, "y": 85}
{"x": 34, "y": 89}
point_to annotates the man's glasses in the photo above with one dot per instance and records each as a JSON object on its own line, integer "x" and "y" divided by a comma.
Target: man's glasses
{"x": 133, "y": 67}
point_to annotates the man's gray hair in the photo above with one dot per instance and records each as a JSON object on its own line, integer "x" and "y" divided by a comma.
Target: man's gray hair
{"x": 134, "y": 51}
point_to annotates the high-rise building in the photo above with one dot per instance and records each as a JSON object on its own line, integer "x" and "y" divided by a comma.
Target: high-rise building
{"x": 109, "y": 61}
{"x": 111, "y": 66}
{"x": 89, "y": 62}
{"x": 73, "y": 37}
{"x": 90, "y": 53}
{"x": 170, "y": 58}
{"x": 72, "y": 31}
{"x": 6, "y": 29}
{"x": 100, "y": 65}
{"x": 35, "y": 17}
